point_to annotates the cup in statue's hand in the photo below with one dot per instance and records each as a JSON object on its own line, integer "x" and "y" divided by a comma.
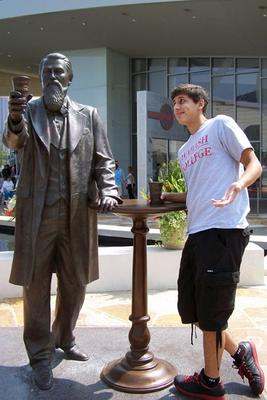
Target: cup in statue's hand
{"x": 155, "y": 189}
{"x": 22, "y": 84}
{"x": 19, "y": 97}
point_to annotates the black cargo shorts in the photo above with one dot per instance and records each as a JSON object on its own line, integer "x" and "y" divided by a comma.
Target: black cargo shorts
{"x": 208, "y": 276}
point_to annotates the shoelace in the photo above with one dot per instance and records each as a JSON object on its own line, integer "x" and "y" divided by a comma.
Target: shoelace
{"x": 192, "y": 378}
{"x": 244, "y": 371}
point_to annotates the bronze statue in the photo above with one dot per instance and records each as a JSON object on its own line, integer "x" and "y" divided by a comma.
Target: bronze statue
{"x": 66, "y": 162}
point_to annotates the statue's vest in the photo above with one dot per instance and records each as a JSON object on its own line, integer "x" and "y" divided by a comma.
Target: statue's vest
{"x": 58, "y": 180}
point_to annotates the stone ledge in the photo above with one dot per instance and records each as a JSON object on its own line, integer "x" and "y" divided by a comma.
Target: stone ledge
{"x": 116, "y": 270}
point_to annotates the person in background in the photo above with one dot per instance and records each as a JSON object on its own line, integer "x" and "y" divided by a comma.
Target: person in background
{"x": 6, "y": 171}
{"x": 130, "y": 183}
{"x": 119, "y": 177}
{"x": 218, "y": 163}
{"x": 13, "y": 175}
{"x": 7, "y": 189}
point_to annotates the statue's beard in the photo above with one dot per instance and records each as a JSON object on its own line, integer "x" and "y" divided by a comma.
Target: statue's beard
{"x": 53, "y": 96}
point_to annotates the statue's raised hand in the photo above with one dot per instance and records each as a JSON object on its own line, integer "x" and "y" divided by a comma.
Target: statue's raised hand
{"x": 17, "y": 105}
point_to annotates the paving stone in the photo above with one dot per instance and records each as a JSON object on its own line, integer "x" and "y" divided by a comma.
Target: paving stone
{"x": 80, "y": 381}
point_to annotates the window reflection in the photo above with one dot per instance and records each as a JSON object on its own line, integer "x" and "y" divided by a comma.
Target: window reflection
{"x": 174, "y": 146}
{"x": 176, "y": 80}
{"x": 199, "y": 64}
{"x": 248, "y": 104}
{"x": 223, "y": 95}
{"x": 138, "y": 83}
{"x": 177, "y": 65}
{"x": 159, "y": 155}
{"x": 222, "y": 66}
{"x": 156, "y": 64}
{"x": 247, "y": 65}
{"x": 202, "y": 79}
{"x": 264, "y": 138}
{"x": 156, "y": 82}
{"x": 139, "y": 65}
{"x": 264, "y": 67}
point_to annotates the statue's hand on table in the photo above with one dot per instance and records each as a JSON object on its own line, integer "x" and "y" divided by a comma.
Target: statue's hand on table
{"x": 107, "y": 203}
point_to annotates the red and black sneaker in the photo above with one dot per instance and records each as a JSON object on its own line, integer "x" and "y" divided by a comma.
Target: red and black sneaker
{"x": 249, "y": 366}
{"x": 193, "y": 386}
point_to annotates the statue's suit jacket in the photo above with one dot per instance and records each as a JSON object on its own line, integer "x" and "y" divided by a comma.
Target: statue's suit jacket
{"x": 91, "y": 171}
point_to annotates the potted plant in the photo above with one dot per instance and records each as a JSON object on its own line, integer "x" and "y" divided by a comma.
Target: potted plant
{"x": 172, "y": 225}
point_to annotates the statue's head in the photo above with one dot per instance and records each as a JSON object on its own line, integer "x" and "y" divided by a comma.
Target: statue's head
{"x": 56, "y": 76}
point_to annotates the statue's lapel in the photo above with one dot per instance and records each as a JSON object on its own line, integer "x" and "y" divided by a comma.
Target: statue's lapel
{"x": 40, "y": 121}
{"x": 76, "y": 123}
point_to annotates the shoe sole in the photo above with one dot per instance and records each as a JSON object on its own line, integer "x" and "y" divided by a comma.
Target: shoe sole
{"x": 255, "y": 358}
{"x": 76, "y": 359}
{"x": 199, "y": 396}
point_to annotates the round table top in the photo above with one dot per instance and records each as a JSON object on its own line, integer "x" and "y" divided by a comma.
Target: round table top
{"x": 143, "y": 208}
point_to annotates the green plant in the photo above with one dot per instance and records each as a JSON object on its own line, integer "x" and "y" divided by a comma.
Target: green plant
{"x": 171, "y": 176}
{"x": 172, "y": 225}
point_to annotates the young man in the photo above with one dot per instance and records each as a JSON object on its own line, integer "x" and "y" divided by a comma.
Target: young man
{"x": 213, "y": 161}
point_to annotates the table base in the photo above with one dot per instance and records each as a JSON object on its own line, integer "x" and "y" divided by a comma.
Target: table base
{"x": 155, "y": 375}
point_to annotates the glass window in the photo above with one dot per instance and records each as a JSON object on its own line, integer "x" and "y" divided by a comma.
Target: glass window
{"x": 264, "y": 66}
{"x": 134, "y": 153}
{"x": 156, "y": 82}
{"x": 247, "y": 65}
{"x": 199, "y": 64}
{"x": 139, "y": 83}
{"x": 202, "y": 79}
{"x": 159, "y": 155}
{"x": 139, "y": 65}
{"x": 223, "y": 95}
{"x": 176, "y": 80}
{"x": 248, "y": 104}
{"x": 156, "y": 64}
{"x": 177, "y": 65}
{"x": 174, "y": 146}
{"x": 222, "y": 66}
{"x": 264, "y": 138}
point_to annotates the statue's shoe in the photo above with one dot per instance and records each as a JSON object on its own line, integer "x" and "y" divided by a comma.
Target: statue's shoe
{"x": 74, "y": 353}
{"x": 43, "y": 376}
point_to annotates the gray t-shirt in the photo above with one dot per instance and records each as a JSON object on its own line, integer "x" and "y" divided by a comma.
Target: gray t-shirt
{"x": 210, "y": 161}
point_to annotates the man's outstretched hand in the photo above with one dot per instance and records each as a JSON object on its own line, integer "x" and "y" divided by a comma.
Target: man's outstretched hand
{"x": 106, "y": 204}
{"x": 230, "y": 195}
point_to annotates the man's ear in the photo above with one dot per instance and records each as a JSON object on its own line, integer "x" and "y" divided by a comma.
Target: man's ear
{"x": 201, "y": 104}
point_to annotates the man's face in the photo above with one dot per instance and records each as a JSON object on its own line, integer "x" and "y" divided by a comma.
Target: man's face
{"x": 55, "y": 79}
{"x": 186, "y": 110}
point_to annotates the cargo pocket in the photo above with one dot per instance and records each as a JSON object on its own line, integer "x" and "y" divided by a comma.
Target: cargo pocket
{"x": 217, "y": 290}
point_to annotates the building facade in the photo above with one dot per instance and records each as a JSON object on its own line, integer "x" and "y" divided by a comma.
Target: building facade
{"x": 121, "y": 47}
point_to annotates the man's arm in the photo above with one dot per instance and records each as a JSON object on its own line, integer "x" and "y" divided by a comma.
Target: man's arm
{"x": 175, "y": 197}
{"x": 253, "y": 168}
{"x": 253, "y": 171}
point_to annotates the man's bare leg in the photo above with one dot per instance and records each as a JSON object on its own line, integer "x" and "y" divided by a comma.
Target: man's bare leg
{"x": 211, "y": 357}
{"x": 230, "y": 346}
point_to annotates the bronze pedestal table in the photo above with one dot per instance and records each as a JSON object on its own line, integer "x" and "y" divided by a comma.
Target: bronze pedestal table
{"x": 139, "y": 371}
